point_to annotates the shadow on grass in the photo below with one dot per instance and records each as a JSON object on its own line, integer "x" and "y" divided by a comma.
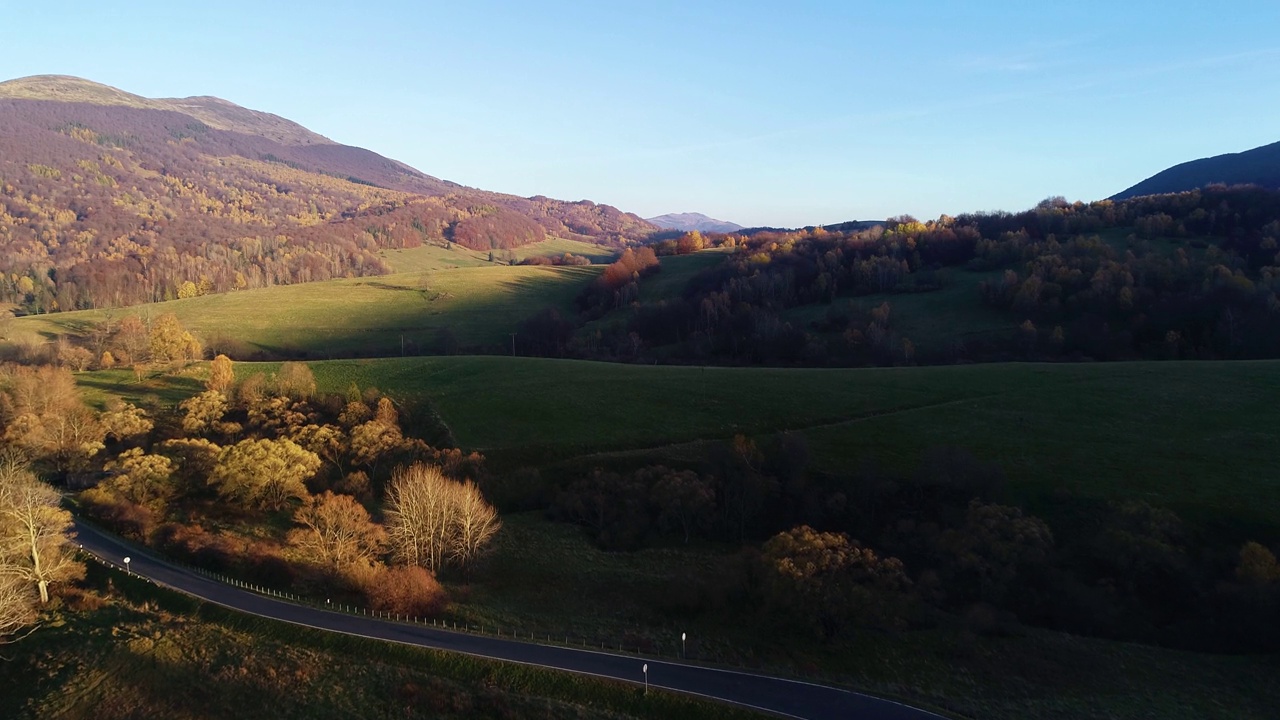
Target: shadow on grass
{"x": 169, "y": 389}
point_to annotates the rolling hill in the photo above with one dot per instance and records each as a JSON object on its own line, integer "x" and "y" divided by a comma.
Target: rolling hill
{"x": 1140, "y": 428}
{"x": 436, "y": 312}
{"x": 1259, "y": 166}
{"x": 108, "y": 199}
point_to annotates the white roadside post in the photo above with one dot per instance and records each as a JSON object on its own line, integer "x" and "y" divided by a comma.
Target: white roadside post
{"x": 683, "y": 655}
{"x": 126, "y": 567}
{"x": 646, "y": 678}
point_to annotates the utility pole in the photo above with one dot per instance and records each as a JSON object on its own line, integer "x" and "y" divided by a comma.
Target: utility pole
{"x": 513, "y": 344}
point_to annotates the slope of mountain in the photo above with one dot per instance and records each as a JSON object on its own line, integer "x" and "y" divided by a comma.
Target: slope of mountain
{"x": 693, "y": 221}
{"x": 1259, "y": 166}
{"x": 108, "y": 198}
{"x": 214, "y": 112}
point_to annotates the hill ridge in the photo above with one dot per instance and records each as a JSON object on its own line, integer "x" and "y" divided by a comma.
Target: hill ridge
{"x": 1258, "y": 166}
{"x": 213, "y": 111}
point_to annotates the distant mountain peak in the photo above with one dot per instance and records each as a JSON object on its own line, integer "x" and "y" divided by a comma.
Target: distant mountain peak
{"x": 693, "y": 221}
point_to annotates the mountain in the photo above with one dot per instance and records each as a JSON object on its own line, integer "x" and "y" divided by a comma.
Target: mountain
{"x": 214, "y": 112}
{"x": 693, "y": 221}
{"x": 108, "y": 198}
{"x": 1259, "y": 166}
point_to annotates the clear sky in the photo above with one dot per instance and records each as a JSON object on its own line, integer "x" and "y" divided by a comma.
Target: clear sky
{"x": 763, "y": 113}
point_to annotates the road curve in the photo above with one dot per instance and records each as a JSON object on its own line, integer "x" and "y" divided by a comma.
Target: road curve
{"x": 790, "y": 698}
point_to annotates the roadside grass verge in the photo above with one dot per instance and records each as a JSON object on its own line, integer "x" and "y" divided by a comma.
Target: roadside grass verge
{"x": 150, "y": 652}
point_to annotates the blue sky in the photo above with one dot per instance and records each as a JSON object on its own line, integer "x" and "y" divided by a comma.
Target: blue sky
{"x": 764, "y": 113}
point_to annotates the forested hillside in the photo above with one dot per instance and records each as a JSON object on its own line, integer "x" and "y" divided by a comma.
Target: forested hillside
{"x": 109, "y": 199}
{"x": 1189, "y": 275}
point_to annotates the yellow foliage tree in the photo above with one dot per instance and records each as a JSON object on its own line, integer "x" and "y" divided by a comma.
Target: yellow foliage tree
{"x": 221, "y": 375}
{"x": 203, "y": 410}
{"x": 141, "y": 478}
{"x": 1257, "y": 565}
{"x": 125, "y": 421}
{"x": 264, "y": 474}
{"x": 169, "y": 343}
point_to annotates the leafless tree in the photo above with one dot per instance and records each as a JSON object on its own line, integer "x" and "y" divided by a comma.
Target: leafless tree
{"x": 17, "y": 606}
{"x": 418, "y": 515}
{"x": 34, "y": 531}
{"x": 336, "y": 530}
{"x": 475, "y": 523}
{"x": 432, "y": 520}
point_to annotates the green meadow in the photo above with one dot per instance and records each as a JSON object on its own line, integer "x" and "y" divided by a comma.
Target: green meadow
{"x": 435, "y": 257}
{"x": 1197, "y": 437}
{"x": 386, "y": 315}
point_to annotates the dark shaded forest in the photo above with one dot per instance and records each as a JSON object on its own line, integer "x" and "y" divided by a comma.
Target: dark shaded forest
{"x": 874, "y": 550}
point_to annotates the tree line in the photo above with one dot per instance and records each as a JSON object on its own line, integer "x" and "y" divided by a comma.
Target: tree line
{"x": 1197, "y": 276}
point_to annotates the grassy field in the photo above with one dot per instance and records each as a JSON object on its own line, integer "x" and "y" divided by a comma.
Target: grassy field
{"x": 1197, "y": 437}
{"x": 479, "y": 302}
{"x": 557, "y": 246}
{"x": 426, "y": 258}
{"x": 434, "y": 257}
{"x": 360, "y": 316}
{"x": 142, "y": 652}
{"x": 676, "y": 272}
{"x": 667, "y": 283}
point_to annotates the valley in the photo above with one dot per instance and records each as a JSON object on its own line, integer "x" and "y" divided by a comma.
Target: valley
{"x": 993, "y": 465}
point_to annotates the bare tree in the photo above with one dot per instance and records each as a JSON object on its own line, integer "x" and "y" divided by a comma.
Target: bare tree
{"x": 17, "y": 605}
{"x": 418, "y": 515}
{"x": 34, "y": 531}
{"x": 475, "y": 524}
{"x": 432, "y": 520}
{"x": 336, "y": 530}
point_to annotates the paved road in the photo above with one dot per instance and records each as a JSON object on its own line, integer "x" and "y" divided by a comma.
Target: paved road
{"x": 783, "y": 697}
